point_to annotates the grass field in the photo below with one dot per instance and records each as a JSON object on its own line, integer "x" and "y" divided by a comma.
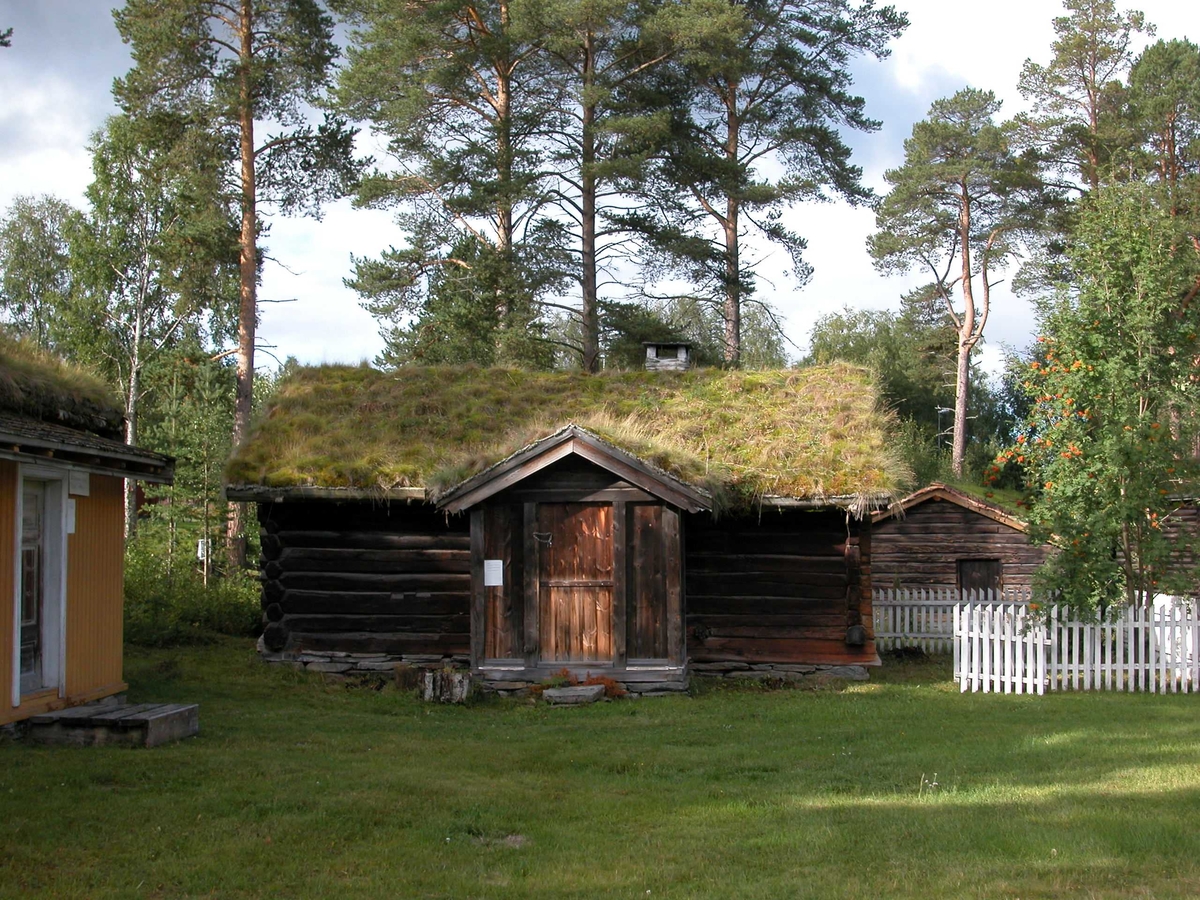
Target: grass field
{"x": 897, "y": 788}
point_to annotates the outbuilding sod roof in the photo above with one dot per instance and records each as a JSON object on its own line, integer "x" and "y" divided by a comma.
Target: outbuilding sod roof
{"x": 40, "y": 386}
{"x": 817, "y": 434}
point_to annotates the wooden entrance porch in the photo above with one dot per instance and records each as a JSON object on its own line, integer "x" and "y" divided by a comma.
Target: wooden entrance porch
{"x": 576, "y": 565}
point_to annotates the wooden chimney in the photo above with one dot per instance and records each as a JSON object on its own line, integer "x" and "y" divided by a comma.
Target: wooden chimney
{"x": 668, "y": 355}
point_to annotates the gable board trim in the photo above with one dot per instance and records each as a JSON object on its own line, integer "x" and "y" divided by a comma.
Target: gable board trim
{"x": 939, "y": 491}
{"x": 569, "y": 441}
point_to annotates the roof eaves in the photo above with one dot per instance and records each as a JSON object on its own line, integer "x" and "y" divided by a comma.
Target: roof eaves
{"x": 939, "y": 491}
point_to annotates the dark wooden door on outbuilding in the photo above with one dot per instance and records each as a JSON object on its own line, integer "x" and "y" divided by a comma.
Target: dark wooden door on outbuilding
{"x": 576, "y": 581}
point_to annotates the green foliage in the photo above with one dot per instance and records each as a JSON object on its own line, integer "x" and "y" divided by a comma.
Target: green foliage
{"x": 450, "y": 87}
{"x": 191, "y": 64}
{"x": 1109, "y": 441}
{"x": 475, "y": 306}
{"x": 913, "y": 353}
{"x": 35, "y": 270}
{"x": 1164, "y": 112}
{"x": 958, "y": 210}
{"x": 167, "y": 602}
{"x": 625, "y": 326}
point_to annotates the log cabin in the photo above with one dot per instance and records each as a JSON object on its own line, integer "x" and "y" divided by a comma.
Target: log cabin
{"x": 629, "y": 525}
{"x": 946, "y": 539}
{"x": 62, "y": 471}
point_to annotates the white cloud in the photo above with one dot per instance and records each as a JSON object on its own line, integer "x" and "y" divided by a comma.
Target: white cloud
{"x": 46, "y": 124}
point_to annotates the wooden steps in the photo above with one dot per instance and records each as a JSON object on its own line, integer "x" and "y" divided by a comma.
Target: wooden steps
{"x": 136, "y": 725}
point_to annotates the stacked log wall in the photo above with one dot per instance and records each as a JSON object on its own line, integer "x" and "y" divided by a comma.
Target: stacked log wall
{"x": 364, "y": 581}
{"x": 922, "y": 549}
{"x": 780, "y": 588}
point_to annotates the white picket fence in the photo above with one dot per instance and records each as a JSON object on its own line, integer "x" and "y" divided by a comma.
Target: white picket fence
{"x": 1008, "y": 648}
{"x": 924, "y": 617}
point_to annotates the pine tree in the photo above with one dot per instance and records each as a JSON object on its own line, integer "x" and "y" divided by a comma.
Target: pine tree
{"x": 770, "y": 95}
{"x": 957, "y": 210}
{"x": 234, "y": 68}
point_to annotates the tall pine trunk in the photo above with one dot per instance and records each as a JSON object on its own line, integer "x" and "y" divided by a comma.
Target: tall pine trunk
{"x": 588, "y": 187}
{"x": 733, "y": 280}
{"x": 967, "y": 338}
{"x": 248, "y": 270}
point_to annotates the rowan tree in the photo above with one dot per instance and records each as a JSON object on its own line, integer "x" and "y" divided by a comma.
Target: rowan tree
{"x": 1107, "y": 449}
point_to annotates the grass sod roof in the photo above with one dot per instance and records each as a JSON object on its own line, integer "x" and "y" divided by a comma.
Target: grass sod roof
{"x": 39, "y": 385}
{"x": 816, "y": 434}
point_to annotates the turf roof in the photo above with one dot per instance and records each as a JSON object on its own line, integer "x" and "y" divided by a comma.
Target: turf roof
{"x": 817, "y": 433}
{"x": 41, "y": 386}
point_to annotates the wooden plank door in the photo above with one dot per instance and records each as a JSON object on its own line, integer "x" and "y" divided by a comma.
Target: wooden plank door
{"x": 575, "y": 574}
{"x": 980, "y": 575}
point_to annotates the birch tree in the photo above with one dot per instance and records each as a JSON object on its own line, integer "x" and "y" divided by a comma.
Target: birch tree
{"x": 152, "y": 261}
{"x": 35, "y": 272}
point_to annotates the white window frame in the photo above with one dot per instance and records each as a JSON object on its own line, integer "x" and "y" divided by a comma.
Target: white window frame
{"x": 54, "y": 579}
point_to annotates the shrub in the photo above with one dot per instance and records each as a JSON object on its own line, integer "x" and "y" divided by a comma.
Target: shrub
{"x": 171, "y": 606}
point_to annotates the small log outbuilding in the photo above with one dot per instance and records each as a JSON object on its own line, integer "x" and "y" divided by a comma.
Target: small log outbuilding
{"x": 626, "y": 525}
{"x": 945, "y": 539}
{"x": 62, "y": 471}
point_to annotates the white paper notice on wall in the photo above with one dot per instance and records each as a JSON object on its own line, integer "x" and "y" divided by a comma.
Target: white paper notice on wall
{"x": 493, "y": 573}
{"x": 80, "y": 485}
{"x": 70, "y": 517}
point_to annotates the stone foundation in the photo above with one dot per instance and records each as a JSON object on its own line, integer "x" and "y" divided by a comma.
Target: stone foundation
{"x": 799, "y": 674}
{"x": 336, "y": 662}
{"x": 632, "y": 688}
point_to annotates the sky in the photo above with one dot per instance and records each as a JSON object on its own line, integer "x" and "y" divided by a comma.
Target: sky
{"x": 55, "y": 85}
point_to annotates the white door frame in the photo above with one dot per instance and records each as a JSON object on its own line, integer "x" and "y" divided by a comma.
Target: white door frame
{"x": 54, "y": 579}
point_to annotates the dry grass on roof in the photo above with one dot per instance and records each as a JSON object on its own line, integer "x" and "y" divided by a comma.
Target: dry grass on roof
{"x": 812, "y": 433}
{"x": 40, "y": 385}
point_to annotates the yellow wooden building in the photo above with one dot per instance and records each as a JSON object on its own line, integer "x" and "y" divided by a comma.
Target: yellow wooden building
{"x": 62, "y": 466}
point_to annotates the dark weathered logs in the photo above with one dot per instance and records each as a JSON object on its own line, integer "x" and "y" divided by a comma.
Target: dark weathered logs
{"x": 323, "y": 559}
{"x": 336, "y": 575}
{"x": 368, "y": 540}
{"x": 778, "y": 588}
{"x": 375, "y": 603}
{"x": 372, "y": 624}
{"x": 360, "y": 581}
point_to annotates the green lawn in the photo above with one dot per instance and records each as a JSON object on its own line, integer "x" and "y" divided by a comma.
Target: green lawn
{"x": 297, "y": 788}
